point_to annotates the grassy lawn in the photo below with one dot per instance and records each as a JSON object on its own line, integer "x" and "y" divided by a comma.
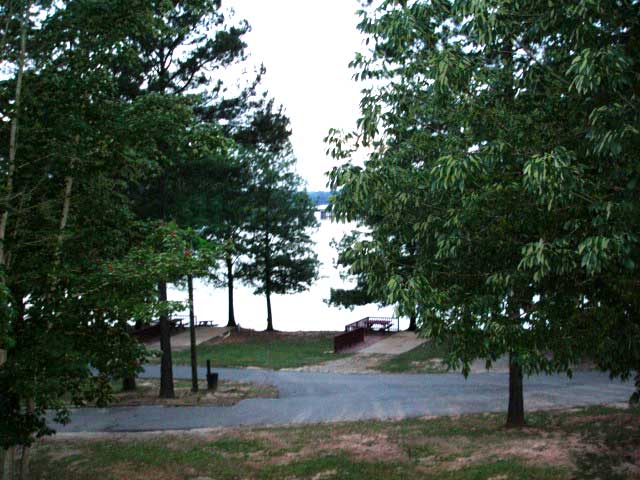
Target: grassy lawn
{"x": 422, "y": 359}
{"x": 586, "y": 443}
{"x": 265, "y": 350}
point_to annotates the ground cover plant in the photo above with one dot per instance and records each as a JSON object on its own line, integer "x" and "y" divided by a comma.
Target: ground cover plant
{"x": 272, "y": 350}
{"x": 594, "y": 442}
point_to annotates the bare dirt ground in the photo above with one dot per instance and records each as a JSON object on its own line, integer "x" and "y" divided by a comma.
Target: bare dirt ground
{"x": 182, "y": 340}
{"x": 366, "y": 357}
{"x": 243, "y": 335}
{"x": 395, "y": 344}
{"x": 228, "y": 393}
{"x": 597, "y": 443}
{"x": 357, "y": 363}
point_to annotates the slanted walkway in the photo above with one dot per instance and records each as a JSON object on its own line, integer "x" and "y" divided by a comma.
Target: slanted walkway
{"x": 366, "y": 357}
{"x": 182, "y": 340}
{"x": 395, "y": 344}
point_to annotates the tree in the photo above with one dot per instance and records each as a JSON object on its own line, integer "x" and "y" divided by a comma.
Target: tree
{"x": 228, "y": 201}
{"x": 256, "y": 126}
{"x": 177, "y": 55}
{"x": 280, "y": 255}
{"x": 77, "y": 262}
{"x": 353, "y": 250}
{"x": 493, "y": 135}
{"x": 200, "y": 190}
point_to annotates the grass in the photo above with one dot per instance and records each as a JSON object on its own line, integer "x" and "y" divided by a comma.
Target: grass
{"x": 424, "y": 358}
{"x": 595, "y": 442}
{"x": 265, "y": 350}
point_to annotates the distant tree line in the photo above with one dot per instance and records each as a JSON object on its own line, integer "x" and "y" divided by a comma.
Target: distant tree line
{"x": 320, "y": 197}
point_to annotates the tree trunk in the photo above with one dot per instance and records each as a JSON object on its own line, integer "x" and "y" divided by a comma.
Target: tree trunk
{"x": 11, "y": 167}
{"x": 5, "y": 31}
{"x": 166, "y": 366}
{"x": 9, "y": 461}
{"x": 24, "y": 463}
{"x": 515, "y": 415}
{"x": 129, "y": 384}
{"x": 269, "y": 317}
{"x": 412, "y": 323}
{"x": 66, "y": 206}
{"x": 232, "y": 316}
{"x": 26, "y": 451}
{"x": 192, "y": 330}
{"x": 267, "y": 277}
{"x": 9, "y": 453}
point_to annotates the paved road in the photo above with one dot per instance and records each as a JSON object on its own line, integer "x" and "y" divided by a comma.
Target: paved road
{"x": 322, "y": 397}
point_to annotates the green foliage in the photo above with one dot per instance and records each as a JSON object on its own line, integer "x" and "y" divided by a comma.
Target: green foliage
{"x": 277, "y": 232}
{"x": 106, "y": 117}
{"x": 502, "y": 140}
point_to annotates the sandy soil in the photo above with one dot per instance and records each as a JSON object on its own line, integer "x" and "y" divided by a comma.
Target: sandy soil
{"x": 228, "y": 393}
{"x": 357, "y": 363}
{"x": 182, "y": 340}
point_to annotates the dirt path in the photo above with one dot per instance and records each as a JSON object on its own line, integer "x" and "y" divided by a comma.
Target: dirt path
{"x": 357, "y": 363}
{"x": 395, "y": 344}
{"x": 367, "y": 359}
{"x": 181, "y": 341}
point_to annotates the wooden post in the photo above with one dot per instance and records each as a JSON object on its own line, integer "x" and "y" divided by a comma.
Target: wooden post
{"x": 3, "y": 357}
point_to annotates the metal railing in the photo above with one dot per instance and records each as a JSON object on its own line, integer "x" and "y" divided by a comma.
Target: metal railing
{"x": 375, "y": 324}
{"x": 348, "y": 339}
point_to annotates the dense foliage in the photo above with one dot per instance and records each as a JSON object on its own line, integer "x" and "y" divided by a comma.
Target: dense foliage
{"x": 277, "y": 234}
{"x": 121, "y": 173}
{"x": 502, "y": 191}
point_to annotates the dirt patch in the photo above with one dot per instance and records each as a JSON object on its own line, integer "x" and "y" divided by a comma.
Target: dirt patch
{"x": 456, "y": 453}
{"x": 365, "y": 447}
{"x": 325, "y": 474}
{"x": 131, "y": 471}
{"x": 368, "y": 341}
{"x": 545, "y": 451}
{"x": 372, "y": 447}
{"x": 60, "y": 454}
{"x": 358, "y": 363}
{"x": 431, "y": 364}
{"x": 228, "y": 393}
{"x": 243, "y": 335}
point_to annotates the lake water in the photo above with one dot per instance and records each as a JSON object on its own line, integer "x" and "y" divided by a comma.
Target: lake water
{"x": 300, "y": 311}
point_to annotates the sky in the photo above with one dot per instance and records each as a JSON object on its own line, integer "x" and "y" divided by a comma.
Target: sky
{"x": 306, "y": 46}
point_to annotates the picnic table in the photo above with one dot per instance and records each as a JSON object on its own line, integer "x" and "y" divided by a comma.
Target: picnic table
{"x": 183, "y": 322}
{"x": 378, "y": 324}
{"x": 206, "y": 323}
{"x": 383, "y": 324}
